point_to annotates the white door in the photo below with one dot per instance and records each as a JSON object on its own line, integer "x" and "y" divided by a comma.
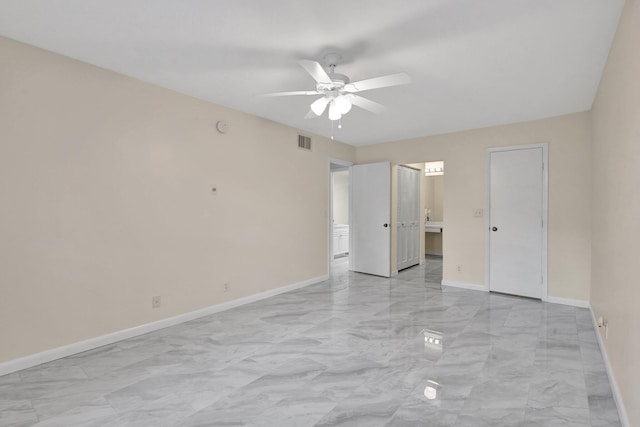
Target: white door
{"x": 516, "y": 222}
{"x": 370, "y": 219}
{"x": 408, "y": 224}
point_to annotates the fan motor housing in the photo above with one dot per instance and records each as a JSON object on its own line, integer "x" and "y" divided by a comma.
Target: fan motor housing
{"x": 338, "y": 81}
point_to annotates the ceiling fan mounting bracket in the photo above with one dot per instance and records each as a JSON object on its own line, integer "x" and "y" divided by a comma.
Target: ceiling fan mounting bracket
{"x": 332, "y": 59}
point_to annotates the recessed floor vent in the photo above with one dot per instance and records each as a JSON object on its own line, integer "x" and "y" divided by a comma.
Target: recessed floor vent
{"x": 304, "y": 142}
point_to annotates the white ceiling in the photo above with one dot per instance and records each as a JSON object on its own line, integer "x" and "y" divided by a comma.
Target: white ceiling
{"x": 473, "y": 63}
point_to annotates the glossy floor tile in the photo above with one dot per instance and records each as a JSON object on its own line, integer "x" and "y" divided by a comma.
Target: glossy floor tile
{"x": 355, "y": 350}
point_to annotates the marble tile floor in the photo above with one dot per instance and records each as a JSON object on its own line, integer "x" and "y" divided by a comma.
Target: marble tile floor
{"x": 351, "y": 351}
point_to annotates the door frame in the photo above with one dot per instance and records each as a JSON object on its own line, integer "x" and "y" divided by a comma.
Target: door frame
{"x": 545, "y": 210}
{"x": 346, "y": 164}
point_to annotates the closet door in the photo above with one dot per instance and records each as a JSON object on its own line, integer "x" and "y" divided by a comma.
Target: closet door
{"x": 408, "y": 227}
{"x": 401, "y": 229}
{"x": 414, "y": 217}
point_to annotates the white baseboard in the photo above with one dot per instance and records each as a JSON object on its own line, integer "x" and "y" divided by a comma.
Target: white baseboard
{"x": 462, "y": 285}
{"x": 622, "y": 412}
{"x": 78, "y": 347}
{"x": 394, "y": 273}
{"x": 567, "y": 301}
{"x": 484, "y": 288}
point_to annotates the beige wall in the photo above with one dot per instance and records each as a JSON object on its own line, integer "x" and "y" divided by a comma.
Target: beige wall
{"x": 106, "y": 201}
{"x": 340, "y": 197}
{"x": 464, "y": 154}
{"x": 615, "y": 289}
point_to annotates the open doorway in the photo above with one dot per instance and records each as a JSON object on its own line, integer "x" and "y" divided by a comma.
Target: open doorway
{"x": 433, "y": 193}
{"x": 432, "y": 224}
{"x": 339, "y": 176}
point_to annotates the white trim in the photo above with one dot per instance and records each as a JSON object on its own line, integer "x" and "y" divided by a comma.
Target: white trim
{"x": 617, "y": 396}
{"x": 339, "y": 162}
{"x": 545, "y": 210}
{"x": 330, "y": 221}
{"x": 485, "y": 288}
{"x": 567, "y": 301}
{"x": 78, "y": 347}
{"x": 394, "y": 273}
{"x": 470, "y": 286}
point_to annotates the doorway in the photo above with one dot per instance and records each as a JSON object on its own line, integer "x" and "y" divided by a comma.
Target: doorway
{"x": 517, "y": 220}
{"x": 431, "y": 217}
{"x": 433, "y": 195}
{"x": 339, "y": 202}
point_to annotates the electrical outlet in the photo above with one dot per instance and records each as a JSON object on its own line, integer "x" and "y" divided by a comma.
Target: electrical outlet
{"x": 604, "y": 323}
{"x": 226, "y": 287}
{"x": 478, "y": 213}
{"x": 459, "y": 268}
{"x": 155, "y": 302}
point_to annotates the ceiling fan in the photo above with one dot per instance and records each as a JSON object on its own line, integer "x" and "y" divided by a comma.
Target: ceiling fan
{"x": 338, "y": 92}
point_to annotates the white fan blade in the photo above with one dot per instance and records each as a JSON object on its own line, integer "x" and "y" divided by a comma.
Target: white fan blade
{"x": 367, "y": 104}
{"x": 319, "y": 105}
{"x": 298, "y": 92}
{"x": 378, "y": 82}
{"x": 315, "y": 70}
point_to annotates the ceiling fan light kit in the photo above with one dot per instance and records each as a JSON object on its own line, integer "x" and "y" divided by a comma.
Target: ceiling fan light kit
{"x": 337, "y": 91}
{"x": 334, "y": 114}
{"x": 343, "y": 104}
{"x": 319, "y": 105}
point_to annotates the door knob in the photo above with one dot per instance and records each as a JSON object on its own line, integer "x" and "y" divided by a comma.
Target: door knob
{"x": 494, "y": 228}
{"x": 385, "y": 225}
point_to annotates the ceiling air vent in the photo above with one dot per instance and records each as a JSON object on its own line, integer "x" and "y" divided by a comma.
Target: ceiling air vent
{"x": 304, "y": 142}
